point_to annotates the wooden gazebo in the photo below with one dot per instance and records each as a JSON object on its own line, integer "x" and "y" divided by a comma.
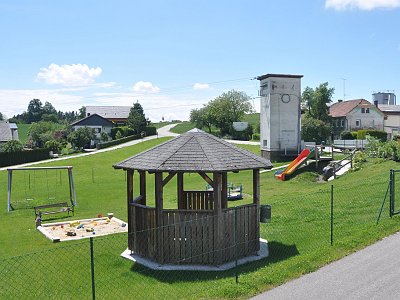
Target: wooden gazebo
{"x": 201, "y": 230}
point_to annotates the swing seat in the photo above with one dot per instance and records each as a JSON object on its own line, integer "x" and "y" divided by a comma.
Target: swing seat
{"x": 53, "y": 208}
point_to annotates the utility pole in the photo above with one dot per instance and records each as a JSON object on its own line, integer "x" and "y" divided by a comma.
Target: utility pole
{"x": 344, "y": 89}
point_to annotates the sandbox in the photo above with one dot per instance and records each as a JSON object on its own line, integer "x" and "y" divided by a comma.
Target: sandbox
{"x": 80, "y": 229}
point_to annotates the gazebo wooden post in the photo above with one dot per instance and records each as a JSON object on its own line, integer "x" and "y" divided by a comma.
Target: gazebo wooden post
{"x": 143, "y": 187}
{"x": 224, "y": 190}
{"x": 159, "y": 208}
{"x": 256, "y": 200}
{"x": 181, "y": 200}
{"x": 218, "y": 238}
{"x": 131, "y": 212}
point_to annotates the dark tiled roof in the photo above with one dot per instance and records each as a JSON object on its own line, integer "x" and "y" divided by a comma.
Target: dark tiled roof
{"x": 261, "y": 77}
{"x": 109, "y": 112}
{"x": 93, "y": 120}
{"x": 341, "y": 109}
{"x": 192, "y": 152}
{"x": 5, "y": 132}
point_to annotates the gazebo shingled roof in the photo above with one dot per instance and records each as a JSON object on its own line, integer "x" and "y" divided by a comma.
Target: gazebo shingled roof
{"x": 195, "y": 151}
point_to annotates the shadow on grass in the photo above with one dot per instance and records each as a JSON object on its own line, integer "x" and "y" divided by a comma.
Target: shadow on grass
{"x": 277, "y": 252}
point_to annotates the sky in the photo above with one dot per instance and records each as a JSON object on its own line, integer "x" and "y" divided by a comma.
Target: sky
{"x": 173, "y": 56}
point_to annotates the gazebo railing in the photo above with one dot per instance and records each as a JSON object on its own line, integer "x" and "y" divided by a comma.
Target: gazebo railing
{"x": 197, "y": 200}
{"x": 195, "y": 236}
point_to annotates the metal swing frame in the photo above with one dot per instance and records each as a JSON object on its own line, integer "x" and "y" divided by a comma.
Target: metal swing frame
{"x": 72, "y": 194}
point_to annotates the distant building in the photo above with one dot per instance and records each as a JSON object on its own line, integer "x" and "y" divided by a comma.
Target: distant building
{"x": 386, "y": 98}
{"x": 353, "y": 115}
{"x": 98, "y": 123}
{"x": 117, "y": 114}
{"x": 8, "y": 131}
{"x": 391, "y": 122}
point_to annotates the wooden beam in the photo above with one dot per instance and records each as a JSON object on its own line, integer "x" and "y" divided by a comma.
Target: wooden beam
{"x": 218, "y": 236}
{"x": 256, "y": 187}
{"x": 158, "y": 192}
{"x": 224, "y": 190}
{"x": 168, "y": 178}
{"x": 179, "y": 187}
{"x": 131, "y": 212}
{"x": 207, "y": 179}
{"x": 143, "y": 187}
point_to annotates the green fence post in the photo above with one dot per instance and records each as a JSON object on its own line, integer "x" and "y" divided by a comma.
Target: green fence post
{"x": 331, "y": 214}
{"x": 392, "y": 193}
{"x": 92, "y": 268}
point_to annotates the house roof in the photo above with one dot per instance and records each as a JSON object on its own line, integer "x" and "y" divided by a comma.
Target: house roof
{"x": 109, "y": 112}
{"x": 195, "y": 151}
{"x": 13, "y": 126}
{"x": 386, "y": 108}
{"x": 5, "y": 132}
{"x": 93, "y": 120}
{"x": 341, "y": 109}
{"x": 261, "y": 77}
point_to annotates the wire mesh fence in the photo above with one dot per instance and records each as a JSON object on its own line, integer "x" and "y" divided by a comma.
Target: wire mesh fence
{"x": 304, "y": 233}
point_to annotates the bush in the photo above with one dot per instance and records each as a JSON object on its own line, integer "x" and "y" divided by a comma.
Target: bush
{"x": 255, "y": 137}
{"x": 346, "y": 135}
{"x": 151, "y": 130}
{"x": 123, "y": 130}
{"x": 117, "y": 142}
{"x": 53, "y": 145}
{"x": 11, "y": 146}
{"x": 379, "y": 134}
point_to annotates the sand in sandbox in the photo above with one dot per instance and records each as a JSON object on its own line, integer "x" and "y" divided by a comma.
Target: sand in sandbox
{"x": 82, "y": 228}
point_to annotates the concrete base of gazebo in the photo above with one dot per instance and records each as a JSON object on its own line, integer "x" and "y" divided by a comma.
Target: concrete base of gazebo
{"x": 262, "y": 253}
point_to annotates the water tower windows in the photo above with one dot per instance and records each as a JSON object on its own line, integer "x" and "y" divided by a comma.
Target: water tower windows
{"x": 265, "y": 143}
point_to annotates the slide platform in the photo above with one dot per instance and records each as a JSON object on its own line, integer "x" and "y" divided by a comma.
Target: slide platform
{"x": 294, "y": 165}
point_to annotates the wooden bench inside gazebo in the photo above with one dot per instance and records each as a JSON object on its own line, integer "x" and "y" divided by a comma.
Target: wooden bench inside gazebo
{"x": 202, "y": 230}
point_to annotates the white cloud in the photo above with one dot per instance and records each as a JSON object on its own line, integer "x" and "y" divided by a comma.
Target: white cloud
{"x": 69, "y": 75}
{"x": 201, "y": 86}
{"x": 145, "y": 87}
{"x": 361, "y": 4}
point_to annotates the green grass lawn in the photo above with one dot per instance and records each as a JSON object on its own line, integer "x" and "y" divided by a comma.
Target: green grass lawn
{"x": 23, "y": 133}
{"x": 298, "y": 235}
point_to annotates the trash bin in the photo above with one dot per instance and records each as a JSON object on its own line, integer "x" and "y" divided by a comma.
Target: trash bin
{"x": 265, "y": 213}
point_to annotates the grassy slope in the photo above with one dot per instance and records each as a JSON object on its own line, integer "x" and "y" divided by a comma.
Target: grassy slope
{"x": 298, "y": 234}
{"x": 23, "y": 133}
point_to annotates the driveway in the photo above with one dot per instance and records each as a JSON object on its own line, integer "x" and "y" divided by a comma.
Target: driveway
{"x": 370, "y": 273}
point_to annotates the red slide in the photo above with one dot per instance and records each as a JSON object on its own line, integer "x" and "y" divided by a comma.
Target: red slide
{"x": 293, "y": 165}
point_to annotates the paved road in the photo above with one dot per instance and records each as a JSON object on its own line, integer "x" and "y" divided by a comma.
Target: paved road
{"x": 371, "y": 273}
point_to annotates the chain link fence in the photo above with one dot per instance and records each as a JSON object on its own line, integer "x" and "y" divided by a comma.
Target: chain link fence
{"x": 307, "y": 230}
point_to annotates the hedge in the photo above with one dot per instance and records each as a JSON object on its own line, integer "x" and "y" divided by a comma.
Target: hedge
{"x": 346, "y": 135}
{"x": 117, "y": 142}
{"x": 256, "y": 137}
{"x": 379, "y": 134}
{"x": 151, "y": 130}
{"x": 21, "y": 157}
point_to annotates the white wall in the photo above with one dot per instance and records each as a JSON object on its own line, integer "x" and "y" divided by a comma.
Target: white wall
{"x": 280, "y": 113}
{"x": 373, "y": 119}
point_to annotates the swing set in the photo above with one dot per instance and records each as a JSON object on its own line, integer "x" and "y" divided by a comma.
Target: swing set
{"x": 31, "y": 183}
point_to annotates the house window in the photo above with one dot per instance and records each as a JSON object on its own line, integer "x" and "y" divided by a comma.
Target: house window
{"x": 358, "y": 123}
{"x": 341, "y": 123}
{"x": 97, "y": 130}
{"x": 363, "y": 110}
{"x": 367, "y": 110}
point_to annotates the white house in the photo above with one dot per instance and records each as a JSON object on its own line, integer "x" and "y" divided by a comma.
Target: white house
{"x": 391, "y": 123}
{"x": 98, "y": 123}
{"x": 353, "y": 115}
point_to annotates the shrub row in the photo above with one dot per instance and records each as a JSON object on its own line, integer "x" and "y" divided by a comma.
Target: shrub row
{"x": 361, "y": 135}
{"x": 126, "y": 131}
{"x": 117, "y": 142}
{"x": 21, "y": 157}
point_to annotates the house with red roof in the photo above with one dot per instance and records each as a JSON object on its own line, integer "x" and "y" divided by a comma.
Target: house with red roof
{"x": 353, "y": 115}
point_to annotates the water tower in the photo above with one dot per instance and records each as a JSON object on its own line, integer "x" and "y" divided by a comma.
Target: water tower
{"x": 280, "y": 115}
{"x": 388, "y": 98}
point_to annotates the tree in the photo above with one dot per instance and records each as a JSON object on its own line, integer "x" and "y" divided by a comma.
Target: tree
{"x": 12, "y": 146}
{"x": 48, "y": 108}
{"x": 35, "y": 111}
{"x": 136, "y": 119}
{"x": 81, "y": 137}
{"x": 228, "y": 108}
{"x": 104, "y": 136}
{"x": 41, "y": 132}
{"x": 1, "y": 117}
{"x": 82, "y": 112}
{"x": 317, "y": 101}
{"x": 53, "y": 145}
{"x": 314, "y": 130}
{"x": 201, "y": 117}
